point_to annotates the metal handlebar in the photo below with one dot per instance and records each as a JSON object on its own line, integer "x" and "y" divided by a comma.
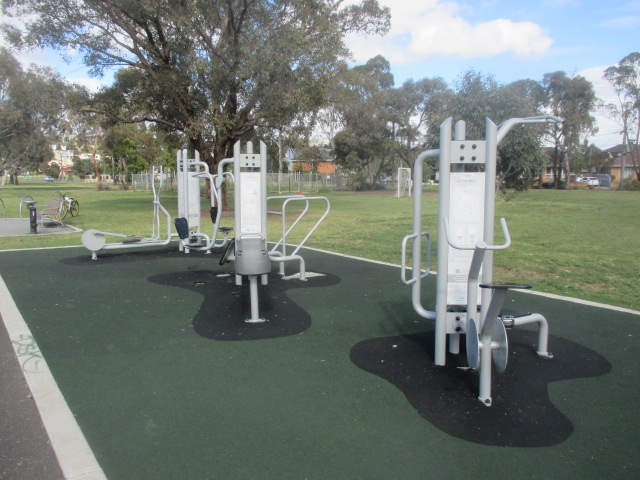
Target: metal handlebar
{"x": 427, "y": 254}
{"x": 480, "y": 244}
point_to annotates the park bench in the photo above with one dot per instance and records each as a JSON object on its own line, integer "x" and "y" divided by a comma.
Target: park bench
{"x": 51, "y": 212}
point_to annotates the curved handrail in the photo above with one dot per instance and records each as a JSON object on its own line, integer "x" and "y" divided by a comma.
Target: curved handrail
{"x": 282, "y": 256}
{"x": 403, "y": 263}
{"x": 457, "y": 246}
{"x": 507, "y": 125}
{"x": 285, "y": 232}
{"x": 479, "y": 250}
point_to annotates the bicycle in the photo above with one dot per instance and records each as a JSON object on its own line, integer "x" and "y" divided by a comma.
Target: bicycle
{"x": 69, "y": 205}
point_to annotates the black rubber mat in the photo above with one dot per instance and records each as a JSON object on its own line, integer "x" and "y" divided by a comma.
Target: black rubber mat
{"x": 522, "y": 415}
{"x": 226, "y": 306}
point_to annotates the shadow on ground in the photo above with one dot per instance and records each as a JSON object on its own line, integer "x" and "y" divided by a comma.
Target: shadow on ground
{"x": 522, "y": 414}
{"x": 226, "y": 305}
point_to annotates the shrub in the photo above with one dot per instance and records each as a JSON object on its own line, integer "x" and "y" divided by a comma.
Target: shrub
{"x": 631, "y": 184}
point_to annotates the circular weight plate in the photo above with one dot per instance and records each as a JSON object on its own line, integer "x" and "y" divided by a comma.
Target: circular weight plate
{"x": 93, "y": 240}
{"x": 500, "y": 346}
{"x": 473, "y": 344}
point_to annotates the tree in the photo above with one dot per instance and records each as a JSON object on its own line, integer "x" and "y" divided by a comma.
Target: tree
{"x": 365, "y": 147}
{"x": 88, "y": 129}
{"x": 573, "y": 99}
{"x": 31, "y": 108}
{"x": 132, "y": 148}
{"x": 477, "y": 96}
{"x": 214, "y": 71}
{"x": 625, "y": 80}
{"x": 413, "y": 106}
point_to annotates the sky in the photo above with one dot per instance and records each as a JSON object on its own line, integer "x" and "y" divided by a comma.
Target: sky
{"x": 507, "y": 39}
{"x": 510, "y": 40}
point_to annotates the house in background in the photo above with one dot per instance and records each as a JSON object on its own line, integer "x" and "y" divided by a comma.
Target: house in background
{"x": 622, "y": 164}
{"x": 324, "y": 164}
{"x": 617, "y": 161}
{"x": 63, "y": 156}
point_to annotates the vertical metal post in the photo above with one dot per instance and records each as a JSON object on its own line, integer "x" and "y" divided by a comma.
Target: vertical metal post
{"x": 459, "y": 134}
{"x": 443, "y": 245}
{"x": 489, "y": 209}
{"x": 253, "y": 291}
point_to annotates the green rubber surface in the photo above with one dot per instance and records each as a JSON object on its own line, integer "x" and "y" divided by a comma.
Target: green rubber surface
{"x": 158, "y": 398}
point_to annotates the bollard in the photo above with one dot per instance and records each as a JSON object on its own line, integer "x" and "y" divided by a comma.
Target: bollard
{"x": 33, "y": 221}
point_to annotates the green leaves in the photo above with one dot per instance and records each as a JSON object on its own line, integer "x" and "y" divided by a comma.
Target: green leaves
{"x": 214, "y": 71}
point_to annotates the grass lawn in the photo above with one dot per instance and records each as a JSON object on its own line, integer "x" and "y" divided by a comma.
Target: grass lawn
{"x": 579, "y": 243}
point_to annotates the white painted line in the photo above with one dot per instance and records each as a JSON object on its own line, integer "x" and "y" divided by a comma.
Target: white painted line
{"x": 588, "y": 303}
{"x": 75, "y": 457}
{"x": 529, "y": 292}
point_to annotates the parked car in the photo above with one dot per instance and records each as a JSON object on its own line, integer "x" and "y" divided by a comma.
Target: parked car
{"x": 591, "y": 181}
{"x": 604, "y": 179}
{"x": 551, "y": 184}
{"x": 49, "y": 179}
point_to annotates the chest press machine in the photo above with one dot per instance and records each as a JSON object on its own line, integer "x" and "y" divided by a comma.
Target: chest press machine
{"x": 190, "y": 174}
{"x": 249, "y": 251}
{"x": 468, "y": 302}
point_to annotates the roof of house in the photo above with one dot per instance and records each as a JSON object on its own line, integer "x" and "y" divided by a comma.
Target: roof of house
{"x": 617, "y": 151}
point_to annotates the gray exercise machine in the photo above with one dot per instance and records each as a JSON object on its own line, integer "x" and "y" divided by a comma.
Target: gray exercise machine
{"x": 468, "y": 302}
{"x": 96, "y": 240}
{"x": 249, "y": 251}
{"x": 191, "y": 175}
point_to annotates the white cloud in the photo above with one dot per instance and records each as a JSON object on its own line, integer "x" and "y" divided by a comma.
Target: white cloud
{"x": 427, "y": 28}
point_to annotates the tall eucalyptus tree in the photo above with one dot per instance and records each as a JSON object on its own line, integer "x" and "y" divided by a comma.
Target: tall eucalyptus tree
{"x": 212, "y": 69}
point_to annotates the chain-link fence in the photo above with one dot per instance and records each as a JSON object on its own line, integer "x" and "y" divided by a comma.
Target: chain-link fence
{"x": 304, "y": 182}
{"x": 276, "y": 182}
{"x": 144, "y": 181}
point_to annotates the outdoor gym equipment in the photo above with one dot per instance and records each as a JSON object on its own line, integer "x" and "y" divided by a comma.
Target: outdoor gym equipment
{"x": 249, "y": 249}
{"x": 467, "y": 300}
{"x": 96, "y": 240}
{"x": 403, "y": 182}
{"x": 191, "y": 171}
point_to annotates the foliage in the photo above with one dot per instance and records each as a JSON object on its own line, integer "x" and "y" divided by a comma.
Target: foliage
{"x": 365, "y": 147}
{"x": 31, "y": 107}
{"x": 214, "y": 71}
{"x": 625, "y": 79}
{"x": 53, "y": 170}
{"x": 520, "y": 156}
{"x": 631, "y": 184}
{"x": 132, "y": 149}
{"x": 573, "y": 99}
{"x": 413, "y": 107}
{"x": 82, "y": 168}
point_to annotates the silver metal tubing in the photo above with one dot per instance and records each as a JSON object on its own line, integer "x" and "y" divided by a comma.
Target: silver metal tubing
{"x": 253, "y": 289}
{"x": 280, "y": 259}
{"x": 543, "y": 331}
{"x": 403, "y": 261}
{"x": 154, "y": 240}
{"x": 417, "y": 231}
{"x": 507, "y": 125}
{"x": 282, "y": 256}
{"x": 486, "y": 346}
